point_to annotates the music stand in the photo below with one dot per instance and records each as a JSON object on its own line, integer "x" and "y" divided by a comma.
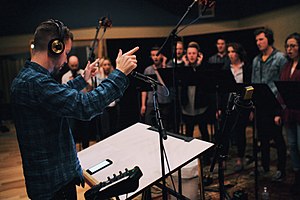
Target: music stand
{"x": 214, "y": 66}
{"x": 263, "y": 98}
{"x": 211, "y": 80}
{"x": 289, "y": 91}
{"x": 206, "y": 78}
{"x": 139, "y": 146}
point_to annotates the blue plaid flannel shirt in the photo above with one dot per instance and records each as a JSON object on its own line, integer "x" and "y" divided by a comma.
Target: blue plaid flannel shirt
{"x": 41, "y": 108}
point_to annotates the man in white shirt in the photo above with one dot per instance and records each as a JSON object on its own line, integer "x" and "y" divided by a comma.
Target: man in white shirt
{"x": 79, "y": 128}
{"x": 73, "y": 64}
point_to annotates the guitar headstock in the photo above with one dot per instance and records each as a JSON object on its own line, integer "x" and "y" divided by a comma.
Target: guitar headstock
{"x": 124, "y": 182}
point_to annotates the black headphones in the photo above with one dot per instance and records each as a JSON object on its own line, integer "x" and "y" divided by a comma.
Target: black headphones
{"x": 56, "y": 46}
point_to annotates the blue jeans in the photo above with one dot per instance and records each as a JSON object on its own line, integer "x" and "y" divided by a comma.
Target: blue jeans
{"x": 293, "y": 136}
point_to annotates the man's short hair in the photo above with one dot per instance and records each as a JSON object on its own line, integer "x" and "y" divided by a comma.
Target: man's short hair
{"x": 221, "y": 38}
{"x": 155, "y": 48}
{"x": 49, "y": 30}
{"x": 268, "y": 33}
{"x": 194, "y": 45}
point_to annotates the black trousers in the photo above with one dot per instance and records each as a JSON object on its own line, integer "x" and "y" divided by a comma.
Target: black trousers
{"x": 200, "y": 120}
{"x": 235, "y": 130}
{"x": 166, "y": 112}
{"x": 110, "y": 121}
{"x": 67, "y": 192}
{"x": 267, "y": 130}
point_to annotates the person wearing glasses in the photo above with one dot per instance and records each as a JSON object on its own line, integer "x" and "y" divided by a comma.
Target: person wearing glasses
{"x": 291, "y": 118}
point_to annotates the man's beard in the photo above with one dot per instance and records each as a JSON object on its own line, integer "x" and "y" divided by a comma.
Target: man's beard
{"x": 55, "y": 70}
{"x": 179, "y": 56}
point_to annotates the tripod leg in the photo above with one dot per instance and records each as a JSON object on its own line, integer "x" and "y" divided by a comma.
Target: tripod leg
{"x": 200, "y": 173}
{"x": 255, "y": 151}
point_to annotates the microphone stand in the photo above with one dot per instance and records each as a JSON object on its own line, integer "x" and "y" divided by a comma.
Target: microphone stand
{"x": 255, "y": 151}
{"x": 174, "y": 31}
{"x": 174, "y": 37}
{"x": 92, "y": 54}
{"x": 219, "y": 153}
{"x": 223, "y": 139}
{"x": 91, "y": 58}
{"x": 162, "y": 135}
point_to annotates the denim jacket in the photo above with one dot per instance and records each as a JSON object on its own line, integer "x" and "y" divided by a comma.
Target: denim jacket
{"x": 269, "y": 71}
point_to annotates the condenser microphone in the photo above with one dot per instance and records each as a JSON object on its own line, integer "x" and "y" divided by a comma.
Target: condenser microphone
{"x": 243, "y": 101}
{"x": 105, "y": 22}
{"x": 145, "y": 78}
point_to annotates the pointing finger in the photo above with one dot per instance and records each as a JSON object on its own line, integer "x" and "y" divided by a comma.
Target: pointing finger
{"x": 120, "y": 53}
{"x": 132, "y": 51}
{"x": 95, "y": 62}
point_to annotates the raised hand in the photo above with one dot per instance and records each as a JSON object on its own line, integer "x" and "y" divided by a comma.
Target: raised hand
{"x": 164, "y": 61}
{"x": 126, "y": 62}
{"x": 185, "y": 60}
{"x": 200, "y": 58}
{"x": 90, "y": 70}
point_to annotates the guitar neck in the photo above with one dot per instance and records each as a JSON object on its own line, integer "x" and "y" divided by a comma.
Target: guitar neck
{"x": 89, "y": 179}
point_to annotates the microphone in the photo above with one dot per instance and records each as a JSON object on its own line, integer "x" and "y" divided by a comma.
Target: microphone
{"x": 105, "y": 22}
{"x": 145, "y": 78}
{"x": 243, "y": 101}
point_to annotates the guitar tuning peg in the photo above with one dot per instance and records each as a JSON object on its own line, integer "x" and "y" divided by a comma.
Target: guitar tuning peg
{"x": 120, "y": 172}
{"x": 108, "y": 178}
{"x": 126, "y": 170}
{"x": 115, "y": 175}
